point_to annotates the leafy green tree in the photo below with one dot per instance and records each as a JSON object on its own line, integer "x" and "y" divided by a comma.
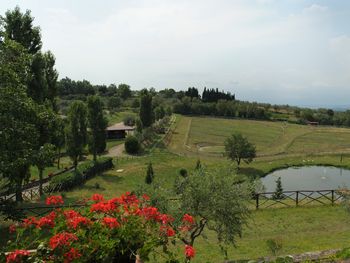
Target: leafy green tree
{"x": 19, "y": 27}
{"x": 45, "y": 151}
{"x": 124, "y": 91}
{"x": 114, "y": 102}
{"x": 76, "y": 133}
{"x": 51, "y": 76}
{"x": 237, "y": 148}
{"x": 37, "y": 88}
{"x": 218, "y": 200}
{"x": 18, "y": 116}
{"x": 97, "y": 123}
{"x": 278, "y": 194}
{"x": 159, "y": 112}
{"x": 59, "y": 138}
{"x": 146, "y": 111}
{"x": 14, "y": 63}
{"x": 149, "y": 174}
{"x": 43, "y": 158}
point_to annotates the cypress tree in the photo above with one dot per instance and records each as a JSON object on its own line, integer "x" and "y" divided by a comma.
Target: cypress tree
{"x": 97, "y": 124}
{"x": 146, "y": 111}
{"x": 278, "y": 194}
{"x": 150, "y": 174}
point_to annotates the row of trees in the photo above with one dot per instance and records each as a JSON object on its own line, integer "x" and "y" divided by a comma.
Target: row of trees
{"x": 31, "y": 130}
{"x": 66, "y": 87}
{"x": 221, "y": 108}
{"x": 29, "y": 123}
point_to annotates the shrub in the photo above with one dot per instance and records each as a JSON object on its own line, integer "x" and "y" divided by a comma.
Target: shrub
{"x": 114, "y": 230}
{"x": 183, "y": 172}
{"x": 132, "y": 145}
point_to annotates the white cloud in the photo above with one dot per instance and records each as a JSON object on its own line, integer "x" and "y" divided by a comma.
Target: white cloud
{"x": 315, "y": 8}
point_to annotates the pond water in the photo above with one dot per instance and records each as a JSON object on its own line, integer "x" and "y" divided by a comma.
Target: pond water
{"x": 308, "y": 178}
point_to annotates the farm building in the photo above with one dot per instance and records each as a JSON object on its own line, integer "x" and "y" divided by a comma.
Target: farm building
{"x": 119, "y": 131}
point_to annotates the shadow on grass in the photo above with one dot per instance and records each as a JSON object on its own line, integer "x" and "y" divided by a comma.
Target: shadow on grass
{"x": 250, "y": 172}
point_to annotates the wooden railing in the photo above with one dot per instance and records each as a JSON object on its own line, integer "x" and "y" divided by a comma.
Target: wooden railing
{"x": 297, "y": 198}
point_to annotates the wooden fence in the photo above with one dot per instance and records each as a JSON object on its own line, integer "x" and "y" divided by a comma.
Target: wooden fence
{"x": 298, "y": 198}
{"x": 260, "y": 200}
{"x": 30, "y": 191}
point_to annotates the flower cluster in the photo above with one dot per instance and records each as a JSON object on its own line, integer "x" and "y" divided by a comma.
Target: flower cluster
{"x": 189, "y": 251}
{"x": 54, "y": 200}
{"x": 62, "y": 239}
{"x": 17, "y": 256}
{"x": 91, "y": 232}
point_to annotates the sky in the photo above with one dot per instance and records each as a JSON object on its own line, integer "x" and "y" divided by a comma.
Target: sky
{"x": 293, "y": 52}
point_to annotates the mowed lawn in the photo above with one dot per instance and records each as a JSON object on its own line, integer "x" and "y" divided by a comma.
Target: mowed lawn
{"x": 206, "y": 136}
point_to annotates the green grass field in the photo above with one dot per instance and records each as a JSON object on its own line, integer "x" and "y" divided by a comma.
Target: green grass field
{"x": 205, "y": 136}
{"x": 279, "y": 145}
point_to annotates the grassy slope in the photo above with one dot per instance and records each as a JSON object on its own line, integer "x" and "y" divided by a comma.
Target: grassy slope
{"x": 205, "y": 136}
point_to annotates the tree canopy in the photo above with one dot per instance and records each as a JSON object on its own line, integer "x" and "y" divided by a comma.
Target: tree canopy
{"x": 237, "y": 148}
{"x": 97, "y": 124}
{"x": 76, "y": 134}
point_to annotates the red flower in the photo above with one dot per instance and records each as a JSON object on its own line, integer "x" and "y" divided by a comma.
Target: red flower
{"x": 189, "y": 251}
{"x": 17, "y": 255}
{"x": 78, "y": 221}
{"x": 165, "y": 219}
{"x": 45, "y": 221}
{"x": 97, "y": 197}
{"x": 111, "y": 222}
{"x": 69, "y": 214}
{"x": 71, "y": 255}
{"x": 149, "y": 213}
{"x": 145, "y": 197}
{"x": 12, "y": 228}
{"x": 54, "y": 200}
{"x": 62, "y": 239}
{"x": 103, "y": 207}
{"x": 187, "y": 218}
{"x": 170, "y": 232}
{"x": 27, "y": 222}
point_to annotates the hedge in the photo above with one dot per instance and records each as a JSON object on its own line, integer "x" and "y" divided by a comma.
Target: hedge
{"x": 84, "y": 171}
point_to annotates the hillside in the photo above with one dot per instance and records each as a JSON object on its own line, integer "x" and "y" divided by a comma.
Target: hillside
{"x": 204, "y": 136}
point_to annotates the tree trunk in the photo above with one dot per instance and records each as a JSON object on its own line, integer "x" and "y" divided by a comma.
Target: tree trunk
{"x": 95, "y": 156}
{"x": 19, "y": 197}
{"x": 41, "y": 181}
{"x": 75, "y": 163}
{"x": 59, "y": 158}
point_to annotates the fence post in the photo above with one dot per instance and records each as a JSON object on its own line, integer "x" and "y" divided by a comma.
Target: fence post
{"x": 257, "y": 201}
{"x": 297, "y": 198}
{"x": 332, "y": 197}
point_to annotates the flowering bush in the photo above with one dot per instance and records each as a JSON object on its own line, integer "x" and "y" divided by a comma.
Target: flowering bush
{"x": 114, "y": 230}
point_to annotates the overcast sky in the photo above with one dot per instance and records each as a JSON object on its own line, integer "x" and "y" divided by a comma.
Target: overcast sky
{"x": 285, "y": 51}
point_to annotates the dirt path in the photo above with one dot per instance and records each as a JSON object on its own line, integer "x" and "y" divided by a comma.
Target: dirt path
{"x": 116, "y": 151}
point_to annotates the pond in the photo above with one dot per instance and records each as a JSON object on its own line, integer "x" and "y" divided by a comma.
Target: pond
{"x": 308, "y": 178}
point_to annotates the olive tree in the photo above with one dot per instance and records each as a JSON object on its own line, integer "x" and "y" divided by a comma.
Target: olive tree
{"x": 217, "y": 200}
